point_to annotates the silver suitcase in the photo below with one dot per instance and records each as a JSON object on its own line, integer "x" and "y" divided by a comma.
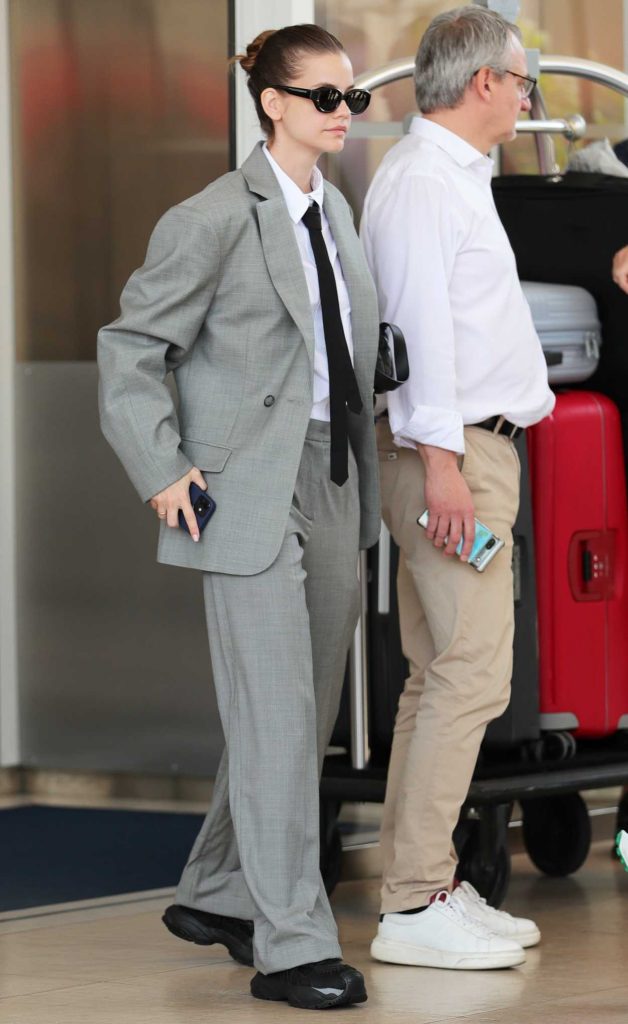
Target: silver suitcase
{"x": 566, "y": 320}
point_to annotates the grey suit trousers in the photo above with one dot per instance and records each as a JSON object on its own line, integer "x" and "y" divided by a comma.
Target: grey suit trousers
{"x": 278, "y": 642}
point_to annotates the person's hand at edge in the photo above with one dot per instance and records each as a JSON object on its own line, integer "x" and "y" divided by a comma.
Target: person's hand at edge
{"x": 175, "y": 498}
{"x": 620, "y": 268}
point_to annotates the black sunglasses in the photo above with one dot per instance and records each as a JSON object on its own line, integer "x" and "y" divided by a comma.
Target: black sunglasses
{"x": 326, "y": 99}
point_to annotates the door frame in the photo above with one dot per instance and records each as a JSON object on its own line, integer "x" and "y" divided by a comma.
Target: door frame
{"x": 9, "y": 713}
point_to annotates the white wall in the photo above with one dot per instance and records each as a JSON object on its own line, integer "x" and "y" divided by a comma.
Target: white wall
{"x": 9, "y": 736}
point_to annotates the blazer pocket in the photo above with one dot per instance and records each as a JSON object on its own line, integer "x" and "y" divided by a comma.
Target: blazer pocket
{"x": 211, "y": 458}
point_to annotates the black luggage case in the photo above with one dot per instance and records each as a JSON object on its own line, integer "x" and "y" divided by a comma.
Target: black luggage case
{"x": 567, "y": 231}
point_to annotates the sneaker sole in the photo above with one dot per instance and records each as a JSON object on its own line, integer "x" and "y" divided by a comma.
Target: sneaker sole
{"x": 265, "y": 987}
{"x": 191, "y": 930}
{"x": 527, "y": 939}
{"x": 421, "y": 956}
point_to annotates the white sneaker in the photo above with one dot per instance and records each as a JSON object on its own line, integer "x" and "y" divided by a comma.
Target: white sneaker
{"x": 443, "y": 935}
{"x": 522, "y": 930}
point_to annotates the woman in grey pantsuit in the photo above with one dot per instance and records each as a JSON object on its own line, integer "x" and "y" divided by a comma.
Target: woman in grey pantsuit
{"x": 230, "y": 299}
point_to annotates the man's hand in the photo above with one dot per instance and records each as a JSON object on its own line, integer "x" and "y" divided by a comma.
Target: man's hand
{"x": 168, "y": 502}
{"x": 448, "y": 500}
{"x": 620, "y": 268}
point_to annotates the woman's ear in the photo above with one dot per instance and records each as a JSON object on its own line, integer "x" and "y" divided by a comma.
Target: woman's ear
{"x": 272, "y": 102}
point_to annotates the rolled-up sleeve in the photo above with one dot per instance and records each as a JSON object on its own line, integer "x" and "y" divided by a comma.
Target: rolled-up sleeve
{"x": 410, "y": 239}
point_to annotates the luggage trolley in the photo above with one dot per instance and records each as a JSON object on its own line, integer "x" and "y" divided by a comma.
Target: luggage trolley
{"x": 526, "y": 757}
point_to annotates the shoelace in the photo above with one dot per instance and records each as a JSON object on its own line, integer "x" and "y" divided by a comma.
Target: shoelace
{"x": 453, "y": 903}
{"x": 471, "y": 891}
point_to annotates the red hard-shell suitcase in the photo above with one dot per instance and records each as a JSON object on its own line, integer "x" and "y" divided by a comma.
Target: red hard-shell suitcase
{"x": 581, "y": 527}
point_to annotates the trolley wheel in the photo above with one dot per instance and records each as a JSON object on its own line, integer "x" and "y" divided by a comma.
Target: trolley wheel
{"x": 483, "y": 861}
{"x": 553, "y": 746}
{"x": 557, "y": 833}
{"x": 330, "y": 846}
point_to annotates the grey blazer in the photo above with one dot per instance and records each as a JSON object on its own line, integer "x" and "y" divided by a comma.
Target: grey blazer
{"x": 222, "y": 301}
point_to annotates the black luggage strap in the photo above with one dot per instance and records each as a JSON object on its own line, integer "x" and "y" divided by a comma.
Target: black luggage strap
{"x": 500, "y": 425}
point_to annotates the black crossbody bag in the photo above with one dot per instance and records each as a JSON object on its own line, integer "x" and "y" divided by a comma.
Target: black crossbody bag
{"x": 391, "y": 369}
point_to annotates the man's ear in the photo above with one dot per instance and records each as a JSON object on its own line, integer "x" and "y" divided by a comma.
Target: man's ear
{"x": 272, "y": 103}
{"x": 482, "y": 83}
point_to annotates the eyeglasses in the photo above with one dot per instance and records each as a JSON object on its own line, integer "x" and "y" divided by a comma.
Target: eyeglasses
{"x": 528, "y": 84}
{"x": 326, "y": 99}
{"x": 526, "y": 89}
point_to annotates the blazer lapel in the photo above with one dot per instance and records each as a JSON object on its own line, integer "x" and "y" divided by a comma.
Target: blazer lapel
{"x": 281, "y": 251}
{"x": 285, "y": 267}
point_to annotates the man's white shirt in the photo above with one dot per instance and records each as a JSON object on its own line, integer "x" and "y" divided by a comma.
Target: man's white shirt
{"x": 446, "y": 274}
{"x": 297, "y": 203}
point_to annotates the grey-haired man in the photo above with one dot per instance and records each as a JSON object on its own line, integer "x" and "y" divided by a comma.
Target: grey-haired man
{"x": 446, "y": 274}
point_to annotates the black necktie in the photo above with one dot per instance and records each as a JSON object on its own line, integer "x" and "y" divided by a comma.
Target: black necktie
{"x": 343, "y": 387}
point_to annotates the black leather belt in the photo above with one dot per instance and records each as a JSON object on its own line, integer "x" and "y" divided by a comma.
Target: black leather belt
{"x": 499, "y": 425}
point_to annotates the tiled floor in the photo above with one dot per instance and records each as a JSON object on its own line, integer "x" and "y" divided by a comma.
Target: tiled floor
{"x": 114, "y": 963}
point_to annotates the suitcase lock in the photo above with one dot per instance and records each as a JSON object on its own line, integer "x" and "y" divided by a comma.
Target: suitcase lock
{"x": 592, "y": 565}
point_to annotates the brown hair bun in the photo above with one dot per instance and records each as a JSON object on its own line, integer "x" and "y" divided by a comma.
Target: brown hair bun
{"x": 247, "y": 60}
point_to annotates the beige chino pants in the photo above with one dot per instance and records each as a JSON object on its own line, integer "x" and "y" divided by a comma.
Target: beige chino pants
{"x": 457, "y": 633}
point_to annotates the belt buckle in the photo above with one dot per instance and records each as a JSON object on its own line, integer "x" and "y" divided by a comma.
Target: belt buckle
{"x": 497, "y": 429}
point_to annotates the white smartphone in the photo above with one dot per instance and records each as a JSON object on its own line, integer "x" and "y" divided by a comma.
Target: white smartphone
{"x": 485, "y": 546}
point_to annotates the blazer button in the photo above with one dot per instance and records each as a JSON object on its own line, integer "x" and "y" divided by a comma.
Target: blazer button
{"x": 269, "y": 400}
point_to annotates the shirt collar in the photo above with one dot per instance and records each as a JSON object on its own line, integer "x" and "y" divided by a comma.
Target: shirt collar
{"x": 461, "y": 151}
{"x": 296, "y": 200}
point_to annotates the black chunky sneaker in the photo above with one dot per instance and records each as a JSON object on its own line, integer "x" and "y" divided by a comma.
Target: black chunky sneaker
{"x": 205, "y": 929}
{"x": 319, "y": 986}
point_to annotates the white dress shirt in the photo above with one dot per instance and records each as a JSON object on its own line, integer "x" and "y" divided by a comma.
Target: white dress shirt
{"x": 445, "y": 273}
{"x": 297, "y": 203}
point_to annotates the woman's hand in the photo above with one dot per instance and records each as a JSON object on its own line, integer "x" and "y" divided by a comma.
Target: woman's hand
{"x": 177, "y": 497}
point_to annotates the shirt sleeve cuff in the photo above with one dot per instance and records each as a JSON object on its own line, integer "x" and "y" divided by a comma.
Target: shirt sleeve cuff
{"x": 442, "y": 428}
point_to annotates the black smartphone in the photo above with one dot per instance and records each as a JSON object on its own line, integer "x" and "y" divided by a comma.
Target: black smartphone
{"x": 204, "y": 508}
